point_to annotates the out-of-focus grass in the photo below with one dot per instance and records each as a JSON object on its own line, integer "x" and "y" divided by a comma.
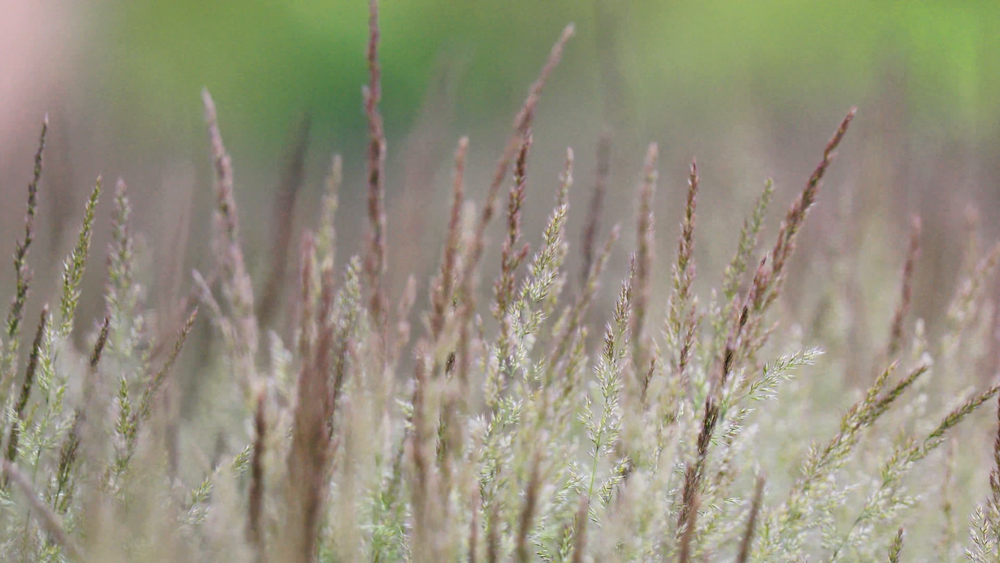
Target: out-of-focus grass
{"x": 507, "y": 401}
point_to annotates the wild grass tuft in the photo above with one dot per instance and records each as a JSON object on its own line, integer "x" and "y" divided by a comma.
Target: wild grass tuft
{"x": 514, "y": 430}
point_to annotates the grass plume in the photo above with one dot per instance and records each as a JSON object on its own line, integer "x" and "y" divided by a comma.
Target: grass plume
{"x": 22, "y": 272}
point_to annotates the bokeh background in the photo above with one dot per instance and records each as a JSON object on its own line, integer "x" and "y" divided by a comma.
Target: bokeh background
{"x": 753, "y": 89}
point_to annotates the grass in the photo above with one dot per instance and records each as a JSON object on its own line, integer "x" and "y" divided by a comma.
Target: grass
{"x": 506, "y": 425}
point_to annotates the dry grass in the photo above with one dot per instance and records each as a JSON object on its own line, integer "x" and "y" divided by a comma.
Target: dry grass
{"x": 514, "y": 431}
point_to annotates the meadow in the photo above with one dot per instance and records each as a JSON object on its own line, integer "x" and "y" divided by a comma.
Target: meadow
{"x": 510, "y": 407}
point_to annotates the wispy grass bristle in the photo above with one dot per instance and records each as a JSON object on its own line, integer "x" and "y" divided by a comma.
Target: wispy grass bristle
{"x": 513, "y": 255}
{"x": 645, "y": 249}
{"x": 74, "y": 266}
{"x": 281, "y": 230}
{"x": 906, "y": 292}
{"x": 787, "y": 234}
{"x": 593, "y": 225}
{"x": 682, "y": 317}
{"x": 26, "y": 387}
{"x": 23, "y": 274}
{"x": 237, "y": 287}
{"x": 156, "y": 381}
{"x": 375, "y": 258}
{"x": 309, "y": 454}
{"x": 444, "y": 286}
{"x": 896, "y": 547}
{"x": 326, "y": 237}
{"x": 522, "y": 124}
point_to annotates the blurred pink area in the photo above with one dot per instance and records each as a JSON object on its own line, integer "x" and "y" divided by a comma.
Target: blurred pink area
{"x": 36, "y": 45}
{"x": 39, "y": 41}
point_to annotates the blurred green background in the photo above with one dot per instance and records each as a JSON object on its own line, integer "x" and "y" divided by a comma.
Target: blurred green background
{"x": 752, "y": 88}
{"x": 266, "y": 61}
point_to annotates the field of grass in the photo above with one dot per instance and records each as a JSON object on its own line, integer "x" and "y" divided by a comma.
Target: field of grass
{"x": 498, "y": 419}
